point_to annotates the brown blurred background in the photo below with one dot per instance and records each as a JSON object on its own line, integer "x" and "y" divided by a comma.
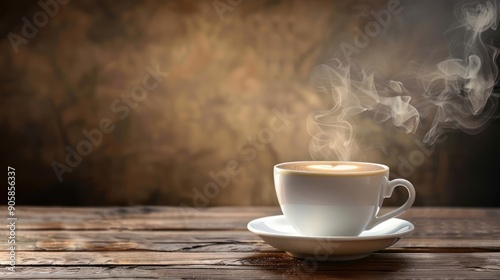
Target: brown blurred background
{"x": 236, "y": 99}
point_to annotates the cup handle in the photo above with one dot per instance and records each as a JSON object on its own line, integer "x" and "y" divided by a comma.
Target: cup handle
{"x": 388, "y": 190}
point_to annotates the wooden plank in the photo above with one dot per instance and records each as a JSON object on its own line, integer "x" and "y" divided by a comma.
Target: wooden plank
{"x": 222, "y": 247}
{"x": 419, "y": 235}
{"x": 198, "y": 223}
{"x": 160, "y": 272}
{"x": 150, "y": 212}
{"x": 430, "y": 244}
{"x": 450, "y": 226}
{"x": 162, "y": 212}
{"x": 437, "y": 227}
{"x": 206, "y": 241}
{"x": 229, "y": 258}
{"x": 140, "y": 235}
{"x": 146, "y": 217}
{"x": 252, "y": 266}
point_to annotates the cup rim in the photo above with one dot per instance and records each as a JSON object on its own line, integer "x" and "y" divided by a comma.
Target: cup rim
{"x": 278, "y": 168}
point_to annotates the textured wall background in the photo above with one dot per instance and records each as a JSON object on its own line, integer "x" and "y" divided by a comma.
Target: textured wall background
{"x": 229, "y": 82}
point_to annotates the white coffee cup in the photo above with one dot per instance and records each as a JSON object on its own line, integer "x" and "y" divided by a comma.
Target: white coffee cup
{"x": 334, "y": 198}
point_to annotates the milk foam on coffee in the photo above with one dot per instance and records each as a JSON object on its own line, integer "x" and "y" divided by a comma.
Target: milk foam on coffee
{"x": 332, "y": 167}
{"x": 327, "y": 167}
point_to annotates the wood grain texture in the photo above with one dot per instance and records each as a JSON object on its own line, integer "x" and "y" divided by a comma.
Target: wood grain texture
{"x": 237, "y": 259}
{"x": 213, "y": 243}
{"x": 252, "y": 266}
{"x": 294, "y": 272}
{"x": 210, "y": 241}
{"x": 452, "y": 221}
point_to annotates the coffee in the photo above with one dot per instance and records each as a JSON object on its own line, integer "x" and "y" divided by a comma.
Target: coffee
{"x": 333, "y": 167}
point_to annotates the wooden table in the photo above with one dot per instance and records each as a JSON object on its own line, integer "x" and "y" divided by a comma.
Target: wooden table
{"x": 170, "y": 242}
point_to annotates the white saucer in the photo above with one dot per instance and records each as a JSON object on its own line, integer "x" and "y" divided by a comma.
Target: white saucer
{"x": 277, "y": 232}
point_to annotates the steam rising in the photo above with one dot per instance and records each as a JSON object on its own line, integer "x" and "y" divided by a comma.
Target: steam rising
{"x": 452, "y": 93}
